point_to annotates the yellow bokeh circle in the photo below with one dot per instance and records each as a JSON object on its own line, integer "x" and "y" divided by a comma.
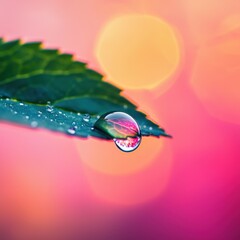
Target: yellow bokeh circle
{"x": 138, "y": 51}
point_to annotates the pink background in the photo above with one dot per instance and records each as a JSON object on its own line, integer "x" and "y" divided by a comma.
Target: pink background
{"x": 56, "y": 187}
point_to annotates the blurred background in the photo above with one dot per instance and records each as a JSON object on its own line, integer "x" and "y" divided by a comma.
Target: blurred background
{"x": 179, "y": 61}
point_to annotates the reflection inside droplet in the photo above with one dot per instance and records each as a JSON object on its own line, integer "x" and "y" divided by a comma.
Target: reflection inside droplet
{"x": 129, "y": 144}
{"x": 122, "y": 128}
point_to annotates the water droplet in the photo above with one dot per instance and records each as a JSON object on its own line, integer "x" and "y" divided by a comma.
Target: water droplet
{"x": 71, "y": 130}
{"x": 122, "y": 128}
{"x": 34, "y": 124}
{"x": 27, "y": 117}
{"x": 86, "y": 117}
{"x": 50, "y": 108}
{"x": 129, "y": 144}
{"x": 150, "y": 128}
{"x": 78, "y": 114}
{"x": 21, "y": 104}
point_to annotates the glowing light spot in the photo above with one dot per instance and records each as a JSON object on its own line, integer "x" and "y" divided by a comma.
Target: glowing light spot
{"x": 128, "y": 179}
{"x": 133, "y": 188}
{"x": 103, "y": 156}
{"x": 138, "y": 51}
{"x": 216, "y": 78}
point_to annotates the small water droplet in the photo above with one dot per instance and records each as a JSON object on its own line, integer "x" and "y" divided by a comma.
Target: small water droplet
{"x": 34, "y": 124}
{"x": 86, "y": 117}
{"x": 7, "y": 99}
{"x": 21, "y": 104}
{"x": 15, "y": 112}
{"x": 125, "y": 106}
{"x": 71, "y": 130}
{"x": 122, "y": 128}
{"x": 150, "y": 128}
{"x": 50, "y": 108}
{"x": 27, "y": 117}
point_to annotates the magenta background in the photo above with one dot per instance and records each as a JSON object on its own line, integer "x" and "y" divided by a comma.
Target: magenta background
{"x": 45, "y": 191}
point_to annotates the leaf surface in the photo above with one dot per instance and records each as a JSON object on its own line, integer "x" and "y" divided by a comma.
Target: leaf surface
{"x": 43, "y": 88}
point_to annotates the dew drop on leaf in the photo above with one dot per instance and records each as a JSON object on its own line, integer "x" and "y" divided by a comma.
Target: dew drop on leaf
{"x": 122, "y": 128}
{"x": 50, "y": 108}
{"x": 71, "y": 130}
{"x": 34, "y": 124}
{"x": 129, "y": 144}
{"x": 86, "y": 117}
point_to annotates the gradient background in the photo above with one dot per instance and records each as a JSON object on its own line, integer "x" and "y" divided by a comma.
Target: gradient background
{"x": 57, "y": 187}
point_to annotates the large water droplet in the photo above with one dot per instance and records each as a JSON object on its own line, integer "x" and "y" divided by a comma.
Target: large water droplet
{"x": 122, "y": 128}
{"x": 129, "y": 144}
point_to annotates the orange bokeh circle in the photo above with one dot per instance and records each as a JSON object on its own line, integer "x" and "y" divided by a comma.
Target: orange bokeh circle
{"x": 216, "y": 76}
{"x": 105, "y": 157}
{"x": 136, "y": 187}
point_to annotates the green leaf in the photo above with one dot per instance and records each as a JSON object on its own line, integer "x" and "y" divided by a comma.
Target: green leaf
{"x": 46, "y": 89}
